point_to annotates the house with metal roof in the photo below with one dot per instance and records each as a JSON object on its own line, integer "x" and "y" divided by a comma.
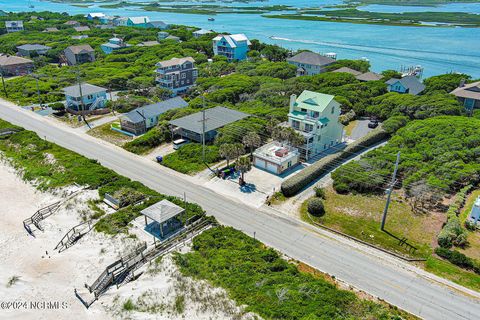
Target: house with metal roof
{"x": 468, "y": 94}
{"x": 316, "y": 117}
{"x": 235, "y": 47}
{"x": 206, "y": 122}
{"x": 81, "y": 28}
{"x": 140, "y": 22}
{"x": 139, "y": 120}
{"x": 158, "y": 25}
{"x": 85, "y": 97}
{"x": 72, "y": 23}
{"x": 201, "y": 32}
{"x": 310, "y": 63}
{"x": 162, "y": 219}
{"x": 14, "y": 26}
{"x": 408, "y": 84}
{"x": 15, "y": 66}
{"x": 79, "y": 54}
{"x": 113, "y": 44}
{"x": 177, "y": 74}
{"x": 27, "y": 50}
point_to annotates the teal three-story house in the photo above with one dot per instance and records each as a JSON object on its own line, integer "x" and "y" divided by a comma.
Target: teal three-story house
{"x": 234, "y": 47}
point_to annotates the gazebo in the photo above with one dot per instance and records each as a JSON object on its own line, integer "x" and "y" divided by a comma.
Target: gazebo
{"x": 161, "y": 219}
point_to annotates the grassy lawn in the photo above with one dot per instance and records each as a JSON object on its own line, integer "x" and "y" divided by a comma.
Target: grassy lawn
{"x": 258, "y": 278}
{"x": 105, "y": 132}
{"x": 349, "y": 128}
{"x": 188, "y": 159}
{"x": 72, "y": 120}
{"x": 360, "y": 216}
{"x": 451, "y": 272}
{"x": 473, "y": 249}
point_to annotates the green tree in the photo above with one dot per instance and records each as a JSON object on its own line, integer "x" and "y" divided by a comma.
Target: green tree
{"x": 227, "y": 151}
{"x": 243, "y": 165}
{"x": 252, "y": 140}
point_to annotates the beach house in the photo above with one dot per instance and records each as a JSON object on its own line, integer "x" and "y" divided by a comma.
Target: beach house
{"x": 310, "y": 63}
{"x": 15, "y": 66}
{"x": 14, "y": 26}
{"x": 85, "y": 97}
{"x": 316, "y": 117}
{"x": 28, "y": 50}
{"x": 113, "y": 44}
{"x": 468, "y": 94}
{"x": 408, "y": 84}
{"x": 276, "y": 157}
{"x": 234, "y": 47}
{"x": 139, "y": 120}
{"x": 79, "y": 54}
{"x": 140, "y": 22}
{"x": 176, "y": 74}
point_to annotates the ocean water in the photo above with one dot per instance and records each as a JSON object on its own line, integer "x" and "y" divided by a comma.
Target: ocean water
{"x": 438, "y": 50}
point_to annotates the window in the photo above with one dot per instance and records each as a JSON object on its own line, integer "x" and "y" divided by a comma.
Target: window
{"x": 310, "y": 140}
{"x": 315, "y": 114}
{"x": 295, "y": 124}
{"x": 325, "y": 146}
{"x": 289, "y": 164}
{"x": 184, "y": 75}
{"x": 319, "y": 138}
{"x": 303, "y": 110}
{"x": 333, "y": 110}
{"x": 308, "y": 127}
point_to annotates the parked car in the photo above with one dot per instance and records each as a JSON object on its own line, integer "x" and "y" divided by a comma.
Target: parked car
{"x": 373, "y": 123}
{"x": 177, "y": 144}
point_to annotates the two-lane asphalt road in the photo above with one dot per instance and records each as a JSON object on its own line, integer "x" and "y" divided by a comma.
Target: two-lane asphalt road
{"x": 388, "y": 278}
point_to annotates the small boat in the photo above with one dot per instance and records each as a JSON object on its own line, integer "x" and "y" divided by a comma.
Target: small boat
{"x": 211, "y": 19}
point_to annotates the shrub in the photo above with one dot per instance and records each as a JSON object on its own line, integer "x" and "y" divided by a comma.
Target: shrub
{"x": 57, "y": 106}
{"x": 150, "y": 139}
{"x": 319, "y": 192}
{"x": 392, "y": 124}
{"x": 450, "y": 232}
{"x": 347, "y": 117}
{"x": 296, "y": 183}
{"x": 315, "y": 207}
{"x": 455, "y": 257}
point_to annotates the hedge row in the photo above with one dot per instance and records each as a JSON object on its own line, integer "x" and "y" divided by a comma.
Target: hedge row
{"x": 458, "y": 259}
{"x": 452, "y": 232}
{"x": 296, "y": 183}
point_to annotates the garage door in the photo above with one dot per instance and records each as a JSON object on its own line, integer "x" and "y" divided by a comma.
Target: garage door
{"x": 271, "y": 168}
{"x": 259, "y": 163}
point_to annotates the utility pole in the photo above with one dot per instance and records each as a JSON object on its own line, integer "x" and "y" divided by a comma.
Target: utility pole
{"x": 3, "y": 82}
{"x": 389, "y": 191}
{"x": 38, "y": 90}
{"x": 203, "y": 135}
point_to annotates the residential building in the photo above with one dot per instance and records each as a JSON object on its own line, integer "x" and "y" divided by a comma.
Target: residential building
{"x": 52, "y": 29}
{"x": 408, "y": 84}
{"x": 310, "y": 63}
{"x": 348, "y": 70}
{"x": 369, "y": 76}
{"x": 14, "y": 26}
{"x": 85, "y": 97}
{"x": 148, "y": 43}
{"x": 140, "y": 22}
{"x": 82, "y": 28}
{"x": 15, "y": 66}
{"x": 276, "y": 157}
{"x": 315, "y": 116}
{"x": 139, "y": 120}
{"x": 207, "y": 122}
{"x": 28, "y": 50}
{"x": 174, "y": 38}
{"x": 113, "y": 44}
{"x": 107, "y": 20}
{"x": 161, "y": 35}
{"x": 80, "y": 37}
{"x": 72, "y": 23}
{"x": 177, "y": 74}
{"x": 234, "y": 47}
{"x": 95, "y": 15}
{"x": 79, "y": 54}
{"x": 474, "y": 215}
{"x": 158, "y": 24}
{"x": 201, "y": 32}
{"x": 120, "y": 21}
{"x": 104, "y": 26}
{"x": 468, "y": 94}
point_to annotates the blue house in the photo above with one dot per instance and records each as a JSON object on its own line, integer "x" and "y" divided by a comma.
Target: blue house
{"x": 113, "y": 44}
{"x": 85, "y": 97}
{"x": 234, "y": 47}
{"x": 140, "y": 22}
{"x": 408, "y": 84}
{"x": 139, "y": 120}
{"x": 474, "y": 216}
{"x": 95, "y": 15}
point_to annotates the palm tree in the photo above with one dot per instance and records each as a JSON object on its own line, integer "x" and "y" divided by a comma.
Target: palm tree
{"x": 227, "y": 151}
{"x": 243, "y": 165}
{"x": 252, "y": 140}
{"x": 238, "y": 150}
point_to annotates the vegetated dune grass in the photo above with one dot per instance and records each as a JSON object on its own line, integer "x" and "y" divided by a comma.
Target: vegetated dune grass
{"x": 360, "y": 216}
{"x": 106, "y": 133}
{"x": 451, "y": 272}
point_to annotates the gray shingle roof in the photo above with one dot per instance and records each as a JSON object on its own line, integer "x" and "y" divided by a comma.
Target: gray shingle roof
{"x": 348, "y": 70}
{"x": 84, "y": 48}
{"x": 74, "y": 91}
{"x": 155, "y": 109}
{"x": 312, "y": 58}
{"x": 369, "y": 76}
{"x": 215, "y": 118}
{"x": 410, "y": 82}
{"x": 162, "y": 211}
{"x": 33, "y": 47}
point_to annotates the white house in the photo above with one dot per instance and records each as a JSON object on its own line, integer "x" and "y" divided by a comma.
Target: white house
{"x": 276, "y": 158}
